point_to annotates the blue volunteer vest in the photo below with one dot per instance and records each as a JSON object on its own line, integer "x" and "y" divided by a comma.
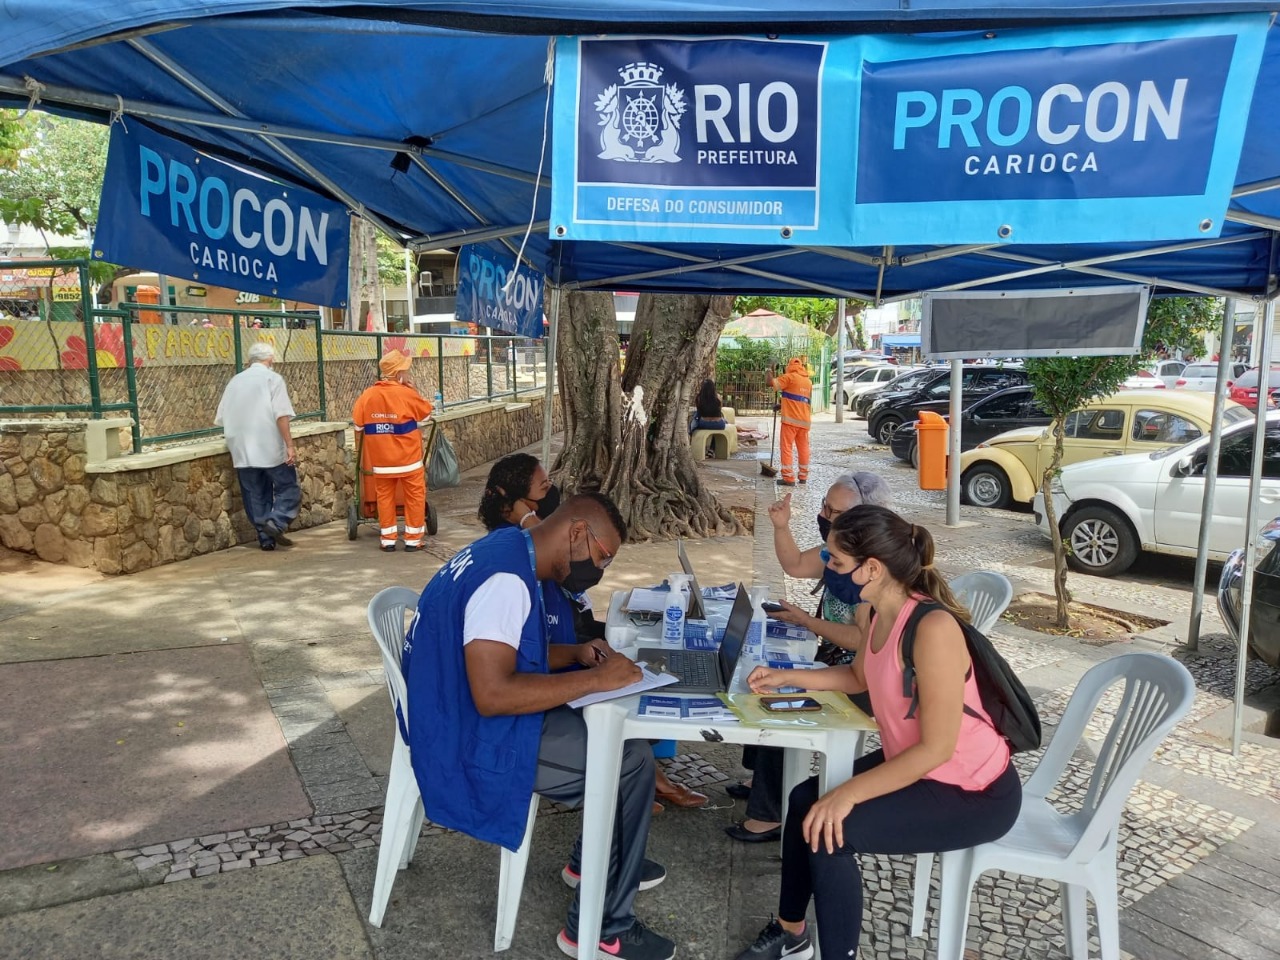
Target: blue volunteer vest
{"x": 475, "y": 773}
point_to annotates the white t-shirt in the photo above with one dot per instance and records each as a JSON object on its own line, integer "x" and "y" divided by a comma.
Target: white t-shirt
{"x": 250, "y": 404}
{"x": 497, "y": 611}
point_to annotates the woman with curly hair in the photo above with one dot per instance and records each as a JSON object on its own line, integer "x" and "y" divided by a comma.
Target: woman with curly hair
{"x": 518, "y": 493}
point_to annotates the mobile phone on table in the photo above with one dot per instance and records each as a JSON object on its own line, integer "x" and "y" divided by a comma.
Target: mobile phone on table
{"x": 769, "y": 606}
{"x": 790, "y": 704}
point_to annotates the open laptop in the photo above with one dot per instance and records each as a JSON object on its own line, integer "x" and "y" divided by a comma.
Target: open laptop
{"x": 705, "y": 671}
{"x": 696, "y": 609}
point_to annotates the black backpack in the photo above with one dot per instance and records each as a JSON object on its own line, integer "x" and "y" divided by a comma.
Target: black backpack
{"x": 1010, "y": 707}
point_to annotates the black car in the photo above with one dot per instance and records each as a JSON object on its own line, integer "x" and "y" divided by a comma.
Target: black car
{"x": 896, "y": 408}
{"x": 1003, "y": 410}
{"x": 908, "y": 381}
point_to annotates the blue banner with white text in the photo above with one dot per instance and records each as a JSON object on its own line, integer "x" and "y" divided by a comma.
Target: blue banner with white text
{"x": 492, "y": 293}
{"x": 1075, "y": 134}
{"x": 167, "y": 208}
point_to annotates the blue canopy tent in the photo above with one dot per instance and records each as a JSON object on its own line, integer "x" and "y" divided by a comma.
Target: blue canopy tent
{"x": 428, "y": 117}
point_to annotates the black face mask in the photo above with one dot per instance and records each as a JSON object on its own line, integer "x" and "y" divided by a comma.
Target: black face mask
{"x": 547, "y": 505}
{"x": 824, "y": 527}
{"x": 583, "y": 575}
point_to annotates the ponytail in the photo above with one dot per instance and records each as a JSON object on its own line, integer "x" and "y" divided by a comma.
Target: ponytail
{"x": 928, "y": 581}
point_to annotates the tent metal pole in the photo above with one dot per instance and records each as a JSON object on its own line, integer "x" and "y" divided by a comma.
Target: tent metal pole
{"x": 70, "y": 96}
{"x": 475, "y": 235}
{"x": 612, "y": 282}
{"x": 764, "y": 274}
{"x": 461, "y": 201}
{"x": 1251, "y": 519}
{"x": 548, "y": 419}
{"x": 943, "y": 253}
{"x": 838, "y": 392}
{"x": 1211, "y": 475}
{"x": 953, "y": 444}
{"x": 202, "y": 90}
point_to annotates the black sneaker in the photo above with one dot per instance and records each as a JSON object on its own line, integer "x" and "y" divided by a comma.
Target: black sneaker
{"x": 774, "y": 943}
{"x": 652, "y": 873}
{"x": 389, "y": 548}
{"x": 277, "y": 534}
{"x": 636, "y": 943}
{"x": 267, "y": 544}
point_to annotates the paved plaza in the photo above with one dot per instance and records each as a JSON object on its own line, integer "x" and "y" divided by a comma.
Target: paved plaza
{"x": 193, "y": 760}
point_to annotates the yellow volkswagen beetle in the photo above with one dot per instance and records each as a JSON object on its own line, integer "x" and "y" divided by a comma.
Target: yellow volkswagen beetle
{"x": 1008, "y": 467}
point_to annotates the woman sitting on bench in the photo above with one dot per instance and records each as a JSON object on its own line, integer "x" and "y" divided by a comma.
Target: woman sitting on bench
{"x": 708, "y": 414}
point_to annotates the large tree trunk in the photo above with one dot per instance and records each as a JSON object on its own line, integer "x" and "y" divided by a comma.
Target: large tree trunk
{"x": 363, "y": 283}
{"x": 652, "y": 478}
{"x": 587, "y": 364}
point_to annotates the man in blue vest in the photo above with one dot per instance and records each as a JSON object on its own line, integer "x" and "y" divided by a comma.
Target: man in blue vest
{"x": 488, "y": 726}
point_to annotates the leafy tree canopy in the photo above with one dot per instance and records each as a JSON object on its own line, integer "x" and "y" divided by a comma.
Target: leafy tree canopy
{"x": 13, "y": 137}
{"x": 57, "y": 179}
{"x": 391, "y": 264}
{"x": 815, "y": 311}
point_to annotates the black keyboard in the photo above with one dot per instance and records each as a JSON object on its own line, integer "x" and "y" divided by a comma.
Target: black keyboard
{"x": 692, "y": 670}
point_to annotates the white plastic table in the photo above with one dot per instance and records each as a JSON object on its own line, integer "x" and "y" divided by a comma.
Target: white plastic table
{"x": 611, "y": 723}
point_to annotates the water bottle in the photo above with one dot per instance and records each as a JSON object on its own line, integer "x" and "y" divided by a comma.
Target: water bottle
{"x": 437, "y": 401}
{"x": 673, "y": 615}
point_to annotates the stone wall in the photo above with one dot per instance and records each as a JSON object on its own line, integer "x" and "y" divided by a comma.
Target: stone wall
{"x": 480, "y": 433}
{"x": 127, "y": 514}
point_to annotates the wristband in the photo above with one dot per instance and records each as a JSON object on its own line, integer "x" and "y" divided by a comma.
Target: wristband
{"x": 531, "y": 513}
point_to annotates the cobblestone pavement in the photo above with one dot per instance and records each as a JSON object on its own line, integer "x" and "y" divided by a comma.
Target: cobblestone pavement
{"x": 1163, "y": 835}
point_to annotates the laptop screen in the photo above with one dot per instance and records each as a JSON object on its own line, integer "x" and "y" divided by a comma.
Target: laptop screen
{"x": 735, "y": 633}
{"x": 696, "y": 609}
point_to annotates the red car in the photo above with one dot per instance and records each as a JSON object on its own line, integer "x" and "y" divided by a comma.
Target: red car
{"x": 1244, "y": 390}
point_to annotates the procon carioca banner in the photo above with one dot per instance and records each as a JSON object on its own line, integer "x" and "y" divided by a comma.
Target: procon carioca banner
{"x": 1074, "y": 134}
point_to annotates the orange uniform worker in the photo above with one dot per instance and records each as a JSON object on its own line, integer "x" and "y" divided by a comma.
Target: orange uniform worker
{"x": 797, "y": 390}
{"x": 387, "y": 416}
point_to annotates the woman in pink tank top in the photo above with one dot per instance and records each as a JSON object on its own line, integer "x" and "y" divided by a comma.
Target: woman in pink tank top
{"x": 942, "y": 780}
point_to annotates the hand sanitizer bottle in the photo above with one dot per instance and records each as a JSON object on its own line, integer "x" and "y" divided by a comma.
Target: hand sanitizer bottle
{"x": 673, "y": 615}
{"x": 755, "y": 633}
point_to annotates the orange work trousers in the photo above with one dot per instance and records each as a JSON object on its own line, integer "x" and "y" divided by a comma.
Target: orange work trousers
{"x": 414, "y": 486}
{"x": 794, "y": 441}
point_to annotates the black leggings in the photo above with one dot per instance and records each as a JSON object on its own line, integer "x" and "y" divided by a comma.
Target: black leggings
{"x": 925, "y": 817}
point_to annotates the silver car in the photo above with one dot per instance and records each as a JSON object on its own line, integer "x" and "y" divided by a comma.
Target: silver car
{"x": 1202, "y": 376}
{"x": 1264, "y": 611}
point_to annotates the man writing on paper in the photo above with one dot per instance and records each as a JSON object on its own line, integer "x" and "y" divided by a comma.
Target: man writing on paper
{"x": 488, "y": 721}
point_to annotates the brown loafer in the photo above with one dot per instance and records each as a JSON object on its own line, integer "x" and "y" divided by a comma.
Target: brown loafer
{"x": 680, "y": 795}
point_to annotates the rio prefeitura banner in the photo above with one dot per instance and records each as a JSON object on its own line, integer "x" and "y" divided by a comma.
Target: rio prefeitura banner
{"x": 167, "y": 208}
{"x": 1065, "y": 135}
{"x": 492, "y": 293}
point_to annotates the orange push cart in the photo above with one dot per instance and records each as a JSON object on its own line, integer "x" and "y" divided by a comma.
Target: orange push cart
{"x": 363, "y": 507}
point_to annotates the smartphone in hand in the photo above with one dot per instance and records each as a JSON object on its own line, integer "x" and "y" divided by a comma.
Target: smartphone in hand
{"x": 769, "y": 606}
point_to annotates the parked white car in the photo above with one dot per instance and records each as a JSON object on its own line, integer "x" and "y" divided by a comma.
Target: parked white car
{"x": 1168, "y": 371}
{"x": 1143, "y": 380}
{"x": 861, "y": 379}
{"x": 1202, "y": 376}
{"x": 1110, "y": 509}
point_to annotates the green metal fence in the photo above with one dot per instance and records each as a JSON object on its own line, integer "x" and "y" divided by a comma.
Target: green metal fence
{"x": 166, "y": 366}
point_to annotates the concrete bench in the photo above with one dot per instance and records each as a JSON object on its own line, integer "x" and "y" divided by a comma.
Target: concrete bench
{"x": 718, "y": 444}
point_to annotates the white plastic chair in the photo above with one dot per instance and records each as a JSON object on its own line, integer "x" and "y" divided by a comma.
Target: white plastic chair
{"x": 403, "y": 814}
{"x": 1076, "y": 849}
{"x": 987, "y": 594}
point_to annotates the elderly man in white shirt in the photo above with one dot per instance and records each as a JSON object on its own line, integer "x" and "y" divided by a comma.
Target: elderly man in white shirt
{"x": 254, "y": 414}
